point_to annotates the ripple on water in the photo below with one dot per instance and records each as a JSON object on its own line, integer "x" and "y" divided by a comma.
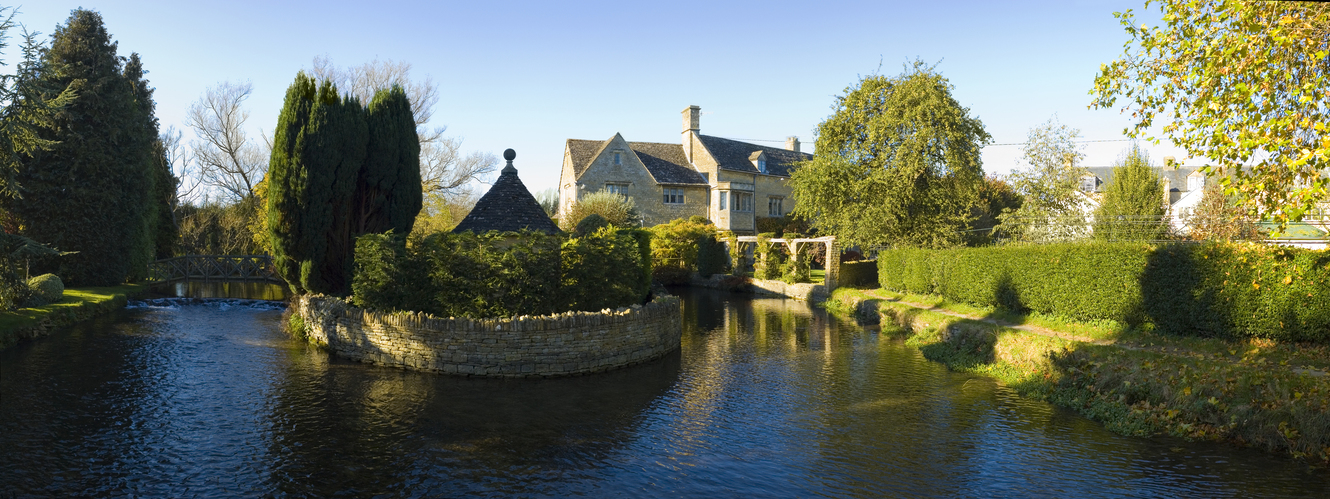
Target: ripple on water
{"x": 766, "y": 398}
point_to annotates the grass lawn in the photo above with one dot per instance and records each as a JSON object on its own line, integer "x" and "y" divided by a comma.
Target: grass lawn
{"x": 77, "y": 304}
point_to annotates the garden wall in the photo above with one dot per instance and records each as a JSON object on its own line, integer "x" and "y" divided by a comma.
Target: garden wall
{"x": 564, "y": 344}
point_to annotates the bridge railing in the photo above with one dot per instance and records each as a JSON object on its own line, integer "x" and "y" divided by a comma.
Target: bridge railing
{"x": 214, "y": 268}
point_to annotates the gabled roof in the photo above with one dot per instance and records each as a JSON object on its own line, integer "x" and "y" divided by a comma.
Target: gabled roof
{"x": 734, "y": 155}
{"x": 1177, "y": 178}
{"x": 507, "y": 207}
{"x": 665, "y": 162}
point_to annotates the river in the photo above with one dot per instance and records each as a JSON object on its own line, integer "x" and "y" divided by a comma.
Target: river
{"x": 766, "y": 398}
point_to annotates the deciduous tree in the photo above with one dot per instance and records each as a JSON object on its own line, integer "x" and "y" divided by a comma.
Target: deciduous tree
{"x": 897, "y": 163}
{"x": 1052, "y": 209}
{"x": 1243, "y": 83}
{"x": 228, "y": 159}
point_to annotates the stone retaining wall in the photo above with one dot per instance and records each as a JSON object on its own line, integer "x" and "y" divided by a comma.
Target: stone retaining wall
{"x": 803, "y": 291}
{"x": 544, "y": 346}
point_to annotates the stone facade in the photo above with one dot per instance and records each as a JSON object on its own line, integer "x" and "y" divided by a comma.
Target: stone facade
{"x": 565, "y": 344}
{"x": 680, "y": 180}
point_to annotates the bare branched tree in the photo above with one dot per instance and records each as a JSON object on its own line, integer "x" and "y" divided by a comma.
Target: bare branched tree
{"x": 227, "y": 160}
{"x": 444, "y": 170}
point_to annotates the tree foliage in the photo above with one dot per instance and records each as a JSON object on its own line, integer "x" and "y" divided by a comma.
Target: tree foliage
{"x": 1243, "y": 83}
{"x": 91, "y": 187}
{"x": 1133, "y": 204}
{"x": 28, "y": 107}
{"x": 996, "y": 197}
{"x": 897, "y": 163}
{"x": 323, "y": 189}
{"x": 1218, "y": 217}
{"x": 618, "y": 209}
{"x": 1051, "y": 208}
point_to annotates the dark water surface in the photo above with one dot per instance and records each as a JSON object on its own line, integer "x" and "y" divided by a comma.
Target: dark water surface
{"x": 766, "y": 398}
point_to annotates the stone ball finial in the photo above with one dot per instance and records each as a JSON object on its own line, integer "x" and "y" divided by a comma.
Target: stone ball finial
{"x": 509, "y": 154}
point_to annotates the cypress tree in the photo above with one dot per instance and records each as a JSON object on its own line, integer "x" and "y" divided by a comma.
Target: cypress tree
{"x": 317, "y": 156}
{"x": 88, "y": 190}
{"x": 141, "y": 153}
{"x": 388, "y": 195}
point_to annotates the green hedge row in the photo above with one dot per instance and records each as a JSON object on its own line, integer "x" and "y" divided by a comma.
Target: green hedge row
{"x": 1213, "y": 289}
{"x": 502, "y": 274}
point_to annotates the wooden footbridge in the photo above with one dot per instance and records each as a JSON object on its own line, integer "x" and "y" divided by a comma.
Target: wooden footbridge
{"x": 214, "y": 268}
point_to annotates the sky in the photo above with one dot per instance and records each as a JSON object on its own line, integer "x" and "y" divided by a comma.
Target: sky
{"x": 530, "y": 75}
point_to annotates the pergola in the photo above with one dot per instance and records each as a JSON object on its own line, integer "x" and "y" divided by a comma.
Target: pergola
{"x": 830, "y": 248}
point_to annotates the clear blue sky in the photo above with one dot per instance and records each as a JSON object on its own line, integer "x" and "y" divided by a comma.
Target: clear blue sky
{"x": 528, "y": 75}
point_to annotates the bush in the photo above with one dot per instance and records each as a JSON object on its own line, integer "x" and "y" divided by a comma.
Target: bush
{"x": 620, "y": 210}
{"x": 711, "y": 256}
{"x": 45, "y": 289}
{"x": 796, "y": 267}
{"x": 768, "y": 259}
{"x": 674, "y": 251}
{"x": 500, "y": 274}
{"x": 590, "y": 224}
{"x": 1219, "y": 289}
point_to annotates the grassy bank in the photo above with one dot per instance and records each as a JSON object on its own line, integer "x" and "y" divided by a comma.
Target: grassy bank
{"x": 1254, "y": 392}
{"x": 77, "y": 305}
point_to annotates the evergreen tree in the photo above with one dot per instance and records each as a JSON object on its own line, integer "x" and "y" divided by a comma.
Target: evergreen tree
{"x": 388, "y": 195}
{"x": 88, "y": 191}
{"x": 141, "y": 153}
{"x": 318, "y": 152}
{"x": 1133, "y": 205}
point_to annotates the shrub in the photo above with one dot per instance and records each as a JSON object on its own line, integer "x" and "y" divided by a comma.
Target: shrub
{"x": 45, "y": 289}
{"x": 1217, "y": 289}
{"x": 620, "y": 210}
{"x": 768, "y": 259}
{"x": 674, "y": 252}
{"x": 501, "y": 274}
{"x": 711, "y": 256}
{"x": 590, "y": 224}
{"x": 796, "y": 268}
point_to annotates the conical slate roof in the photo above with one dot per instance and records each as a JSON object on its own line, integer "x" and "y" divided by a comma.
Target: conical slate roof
{"x": 508, "y": 206}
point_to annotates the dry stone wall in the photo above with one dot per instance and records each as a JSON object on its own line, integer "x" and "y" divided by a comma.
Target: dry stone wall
{"x": 545, "y": 346}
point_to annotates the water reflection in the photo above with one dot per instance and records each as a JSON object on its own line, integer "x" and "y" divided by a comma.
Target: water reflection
{"x": 766, "y": 397}
{"x": 225, "y": 289}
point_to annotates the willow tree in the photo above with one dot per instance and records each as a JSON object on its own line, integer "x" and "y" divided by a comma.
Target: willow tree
{"x": 897, "y": 163}
{"x": 1242, "y": 83}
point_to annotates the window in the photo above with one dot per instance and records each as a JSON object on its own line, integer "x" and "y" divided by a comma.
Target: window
{"x": 673, "y": 195}
{"x": 618, "y": 160}
{"x": 773, "y": 207}
{"x": 762, "y": 165}
{"x": 721, "y": 197}
{"x": 620, "y": 189}
{"x": 1195, "y": 183}
{"x": 741, "y": 201}
{"x": 1088, "y": 184}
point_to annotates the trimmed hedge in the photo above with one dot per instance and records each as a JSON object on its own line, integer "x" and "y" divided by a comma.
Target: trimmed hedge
{"x": 501, "y": 274}
{"x": 45, "y": 289}
{"x": 1213, "y": 289}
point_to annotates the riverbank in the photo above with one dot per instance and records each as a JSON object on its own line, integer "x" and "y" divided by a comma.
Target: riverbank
{"x": 78, "y": 304}
{"x": 1253, "y": 392}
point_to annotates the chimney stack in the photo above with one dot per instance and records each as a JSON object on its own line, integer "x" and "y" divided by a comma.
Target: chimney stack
{"x": 792, "y": 143}
{"x": 691, "y": 117}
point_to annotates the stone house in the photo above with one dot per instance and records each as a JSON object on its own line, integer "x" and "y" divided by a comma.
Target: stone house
{"x": 1183, "y": 189}
{"x": 730, "y": 182}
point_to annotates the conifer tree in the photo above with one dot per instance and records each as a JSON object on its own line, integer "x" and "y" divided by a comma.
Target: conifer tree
{"x": 388, "y": 195}
{"x": 1133, "y": 206}
{"x": 318, "y": 153}
{"x": 88, "y": 190}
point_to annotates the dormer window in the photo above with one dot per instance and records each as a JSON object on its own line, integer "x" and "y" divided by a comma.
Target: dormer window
{"x": 1195, "y": 182}
{"x": 1088, "y": 183}
{"x": 759, "y": 160}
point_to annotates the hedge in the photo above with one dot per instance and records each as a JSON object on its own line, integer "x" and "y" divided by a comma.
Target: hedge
{"x": 1212, "y": 289}
{"x": 501, "y": 274}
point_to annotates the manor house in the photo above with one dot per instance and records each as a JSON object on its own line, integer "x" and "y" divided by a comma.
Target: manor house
{"x": 732, "y": 183}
